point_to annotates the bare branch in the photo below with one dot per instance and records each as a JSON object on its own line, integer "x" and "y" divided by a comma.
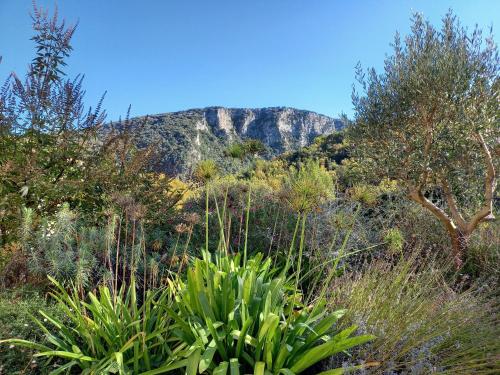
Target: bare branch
{"x": 417, "y": 195}
{"x": 489, "y": 188}
{"x": 452, "y": 205}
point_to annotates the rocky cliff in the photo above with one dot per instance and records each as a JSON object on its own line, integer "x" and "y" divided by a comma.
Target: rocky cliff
{"x": 183, "y": 138}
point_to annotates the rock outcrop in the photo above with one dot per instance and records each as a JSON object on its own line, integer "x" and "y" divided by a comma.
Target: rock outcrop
{"x": 183, "y": 138}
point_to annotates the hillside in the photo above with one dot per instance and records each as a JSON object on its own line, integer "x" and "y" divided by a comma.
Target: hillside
{"x": 186, "y": 137}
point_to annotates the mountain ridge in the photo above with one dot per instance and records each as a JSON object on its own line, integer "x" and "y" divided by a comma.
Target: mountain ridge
{"x": 183, "y": 138}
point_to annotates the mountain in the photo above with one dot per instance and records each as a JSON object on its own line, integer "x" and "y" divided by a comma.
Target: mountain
{"x": 184, "y": 138}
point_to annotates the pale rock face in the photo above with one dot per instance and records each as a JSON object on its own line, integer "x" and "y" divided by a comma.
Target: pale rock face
{"x": 249, "y": 117}
{"x": 220, "y": 121}
{"x": 202, "y": 124}
{"x": 186, "y": 137}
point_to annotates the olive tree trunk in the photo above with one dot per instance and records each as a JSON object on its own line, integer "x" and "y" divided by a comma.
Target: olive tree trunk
{"x": 459, "y": 229}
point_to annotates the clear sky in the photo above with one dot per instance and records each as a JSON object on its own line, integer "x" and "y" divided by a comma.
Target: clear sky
{"x": 169, "y": 55}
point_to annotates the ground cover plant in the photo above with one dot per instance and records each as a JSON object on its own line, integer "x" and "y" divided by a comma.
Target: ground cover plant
{"x": 17, "y": 307}
{"x": 422, "y": 324}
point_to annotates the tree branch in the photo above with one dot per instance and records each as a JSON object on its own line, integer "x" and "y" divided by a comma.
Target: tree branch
{"x": 417, "y": 195}
{"x": 452, "y": 205}
{"x": 489, "y": 188}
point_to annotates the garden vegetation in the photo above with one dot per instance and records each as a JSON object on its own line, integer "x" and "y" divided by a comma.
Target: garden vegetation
{"x": 373, "y": 250}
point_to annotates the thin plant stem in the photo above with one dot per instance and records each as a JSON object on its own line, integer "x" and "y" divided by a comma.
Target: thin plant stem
{"x": 110, "y": 237}
{"x": 278, "y": 244}
{"x": 332, "y": 271}
{"x": 206, "y": 216}
{"x": 185, "y": 249}
{"x": 274, "y": 231}
{"x": 301, "y": 251}
{"x": 174, "y": 252}
{"x": 117, "y": 260}
{"x": 240, "y": 227}
{"x": 223, "y": 223}
{"x": 228, "y": 234}
{"x": 302, "y": 217}
{"x": 132, "y": 264}
{"x": 124, "y": 260}
{"x": 143, "y": 245}
{"x": 292, "y": 245}
{"x": 318, "y": 276}
{"x": 222, "y": 240}
{"x": 245, "y": 249}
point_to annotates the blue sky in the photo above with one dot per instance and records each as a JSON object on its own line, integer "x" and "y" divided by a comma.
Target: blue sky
{"x": 162, "y": 56}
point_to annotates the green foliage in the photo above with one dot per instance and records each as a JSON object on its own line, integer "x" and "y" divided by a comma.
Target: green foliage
{"x": 46, "y": 134}
{"x": 234, "y": 192}
{"x": 483, "y": 263}
{"x": 308, "y": 187}
{"x": 422, "y": 325}
{"x": 365, "y": 194}
{"x": 78, "y": 202}
{"x": 421, "y": 116}
{"x": 16, "y": 310}
{"x": 236, "y": 151}
{"x": 329, "y": 150}
{"x": 67, "y": 249}
{"x": 254, "y": 146}
{"x": 249, "y": 147}
{"x": 245, "y": 315}
{"x": 105, "y": 333}
{"x": 206, "y": 170}
{"x": 430, "y": 121}
{"x": 394, "y": 239}
{"x": 55, "y": 152}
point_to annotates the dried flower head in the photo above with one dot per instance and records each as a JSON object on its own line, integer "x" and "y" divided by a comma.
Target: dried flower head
{"x": 192, "y": 218}
{"x": 181, "y": 228}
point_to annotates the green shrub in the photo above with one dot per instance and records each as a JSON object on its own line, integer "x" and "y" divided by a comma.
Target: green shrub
{"x": 206, "y": 170}
{"x": 422, "y": 325}
{"x": 394, "y": 240}
{"x": 105, "y": 333}
{"x": 245, "y": 317}
{"x": 307, "y": 187}
{"x": 65, "y": 248}
{"x": 483, "y": 262}
{"x": 16, "y": 310}
{"x": 235, "y": 150}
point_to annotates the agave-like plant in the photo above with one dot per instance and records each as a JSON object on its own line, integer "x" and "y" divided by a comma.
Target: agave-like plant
{"x": 240, "y": 318}
{"x": 107, "y": 334}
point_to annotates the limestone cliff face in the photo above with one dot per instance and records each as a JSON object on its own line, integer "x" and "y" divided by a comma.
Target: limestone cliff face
{"x": 183, "y": 138}
{"x": 282, "y": 129}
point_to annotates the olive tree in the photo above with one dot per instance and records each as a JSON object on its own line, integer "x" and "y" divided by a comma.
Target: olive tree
{"x": 430, "y": 121}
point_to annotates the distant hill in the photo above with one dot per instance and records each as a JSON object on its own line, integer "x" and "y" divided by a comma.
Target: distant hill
{"x": 186, "y": 137}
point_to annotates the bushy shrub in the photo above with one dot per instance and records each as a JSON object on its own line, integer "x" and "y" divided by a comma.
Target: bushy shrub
{"x": 16, "y": 310}
{"x": 245, "y": 317}
{"x": 105, "y": 333}
{"x": 235, "y": 150}
{"x": 64, "y": 247}
{"x": 227, "y": 315}
{"x": 422, "y": 324}
{"x": 229, "y": 195}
